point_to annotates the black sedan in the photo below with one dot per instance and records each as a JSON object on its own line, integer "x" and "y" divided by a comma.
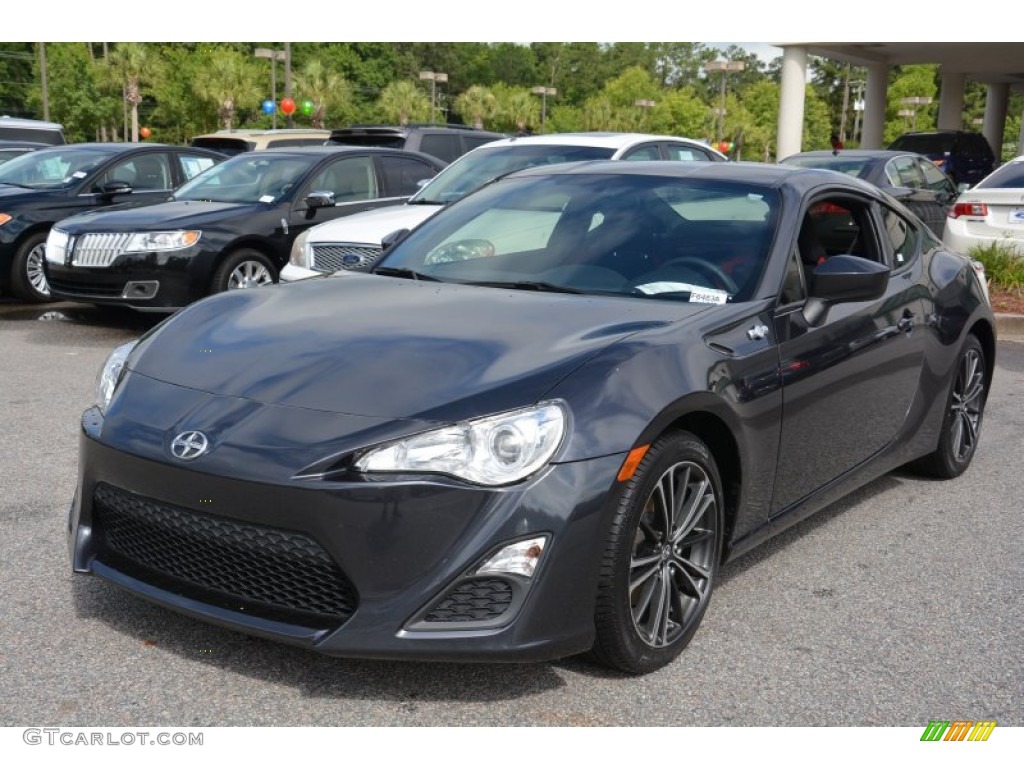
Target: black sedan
{"x": 542, "y": 423}
{"x": 911, "y": 178}
{"x": 230, "y": 228}
{"x": 40, "y": 188}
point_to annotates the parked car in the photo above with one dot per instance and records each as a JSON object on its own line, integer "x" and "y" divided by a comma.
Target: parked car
{"x": 444, "y": 141}
{"x": 40, "y": 188}
{"x": 230, "y": 228}
{"x": 232, "y": 141}
{"x": 992, "y": 211}
{"x": 356, "y": 242}
{"x": 11, "y": 149}
{"x": 913, "y": 179}
{"x": 542, "y": 423}
{"x": 22, "y": 129}
{"x": 964, "y": 156}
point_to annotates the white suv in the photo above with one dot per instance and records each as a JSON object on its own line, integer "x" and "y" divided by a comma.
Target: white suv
{"x": 354, "y": 242}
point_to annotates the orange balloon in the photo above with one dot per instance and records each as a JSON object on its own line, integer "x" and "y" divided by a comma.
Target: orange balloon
{"x": 144, "y": 132}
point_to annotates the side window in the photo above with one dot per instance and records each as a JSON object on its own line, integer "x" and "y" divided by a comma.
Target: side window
{"x": 350, "y": 179}
{"x": 902, "y": 236}
{"x": 646, "y": 152}
{"x": 683, "y": 152}
{"x": 907, "y": 173}
{"x": 834, "y": 226}
{"x": 935, "y": 179}
{"x": 146, "y": 173}
{"x": 793, "y": 289}
{"x": 192, "y": 165}
{"x": 402, "y": 175}
{"x": 443, "y": 146}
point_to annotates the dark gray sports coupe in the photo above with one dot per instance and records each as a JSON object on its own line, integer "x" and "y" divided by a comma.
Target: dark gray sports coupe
{"x": 543, "y": 422}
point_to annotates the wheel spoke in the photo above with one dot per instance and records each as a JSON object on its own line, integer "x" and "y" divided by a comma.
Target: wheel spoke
{"x": 680, "y": 501}
{"x": 701, "y": 501}
{"x": 654, "y": 625}
{"x": 640, "y": 607}
{"x": 645, "y": 576}
{"x": 694, "y": 590}
{"x": 668, "y": 501}
{"x": 665, "y": 607}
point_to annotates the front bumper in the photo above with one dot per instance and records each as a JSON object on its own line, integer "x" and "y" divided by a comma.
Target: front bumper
{"x": 290, "y": 273}
{"x": 404, "y": 552}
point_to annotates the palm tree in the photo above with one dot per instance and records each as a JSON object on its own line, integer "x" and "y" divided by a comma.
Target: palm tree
{"x": 133, "y": 66}
{"x": 229, "y": 80}
{"x": 520, "y": 108}
{"x": 402, "y": 100}
{"x": 478, "y": 102}
{"x": 322, "y": 87}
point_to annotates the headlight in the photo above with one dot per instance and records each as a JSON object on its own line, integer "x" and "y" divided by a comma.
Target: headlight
{"x": 302, "y": 252}
{"x": 110, "y": 375}
{"x": 161, "y": 241}
{"x": 57, "y": 246}
{"x": 4, "y": 218}
{"x": 495, "y": 450}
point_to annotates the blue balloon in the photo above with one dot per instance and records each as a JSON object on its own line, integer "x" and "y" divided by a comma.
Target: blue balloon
{"x": 268, "y": 107}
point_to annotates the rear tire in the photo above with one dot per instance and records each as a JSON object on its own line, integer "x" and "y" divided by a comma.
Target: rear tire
{"x": 661, "y": 558}
{"x": 244, "y": 268}
{"x": 961, "y": 425}
{"x": 28, "y": 281}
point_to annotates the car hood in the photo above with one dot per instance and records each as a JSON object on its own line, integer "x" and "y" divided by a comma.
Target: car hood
{"x": 378, "y": 346}
{"x": 372, "y": 226}
{"x": 11, "y": 193}
{"x": 172, "y": 215}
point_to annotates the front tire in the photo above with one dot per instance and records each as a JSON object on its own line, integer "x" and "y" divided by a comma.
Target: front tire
{"x": 28, "y": 281}
{"x": 245, "y": 268}
{"x": 961, "y": 425}
{"x": 661, "y": 558}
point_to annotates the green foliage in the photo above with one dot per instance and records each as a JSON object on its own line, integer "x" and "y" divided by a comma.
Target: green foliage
{"x": 1004, "y": 264}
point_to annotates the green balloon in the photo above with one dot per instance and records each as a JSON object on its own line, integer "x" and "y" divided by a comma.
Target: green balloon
{"x": 307, "y": 107}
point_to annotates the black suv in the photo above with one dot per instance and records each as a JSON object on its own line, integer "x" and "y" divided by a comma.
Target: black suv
{"x": 442, "y": 140}
{"x": 966, "y": 157}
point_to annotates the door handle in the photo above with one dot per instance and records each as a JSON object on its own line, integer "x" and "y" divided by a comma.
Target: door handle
{"x": 906, "y": 323}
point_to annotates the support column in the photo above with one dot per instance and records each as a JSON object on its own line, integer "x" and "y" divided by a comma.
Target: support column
{"x": 791, "y": 100}
{"x": 951, "y": 101}
{"x": 996, "y": 97}
{"x": 874, "y": 106}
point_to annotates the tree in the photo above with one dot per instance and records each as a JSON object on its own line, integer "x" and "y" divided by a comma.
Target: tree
{"x": 402, "y": 101}
{"x": 477, "y": 102}
{"x": 518, "y": 108}
{"x": 228, "y": 80}
{"x": 323, "y": 87}
{"x": 133, "y": 67}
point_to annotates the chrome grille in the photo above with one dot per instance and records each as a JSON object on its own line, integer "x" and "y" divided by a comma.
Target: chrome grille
{"x": 329, "y": 257}
{"x": 99, "y": 249}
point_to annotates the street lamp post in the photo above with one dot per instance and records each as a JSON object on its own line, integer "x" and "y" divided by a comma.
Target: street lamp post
{"x": 725, "y": 67}
{"x": 644, "y": 105}
{"x": 274, "y": 56}
{"x": 905, "y": 113}
{"x": 914, "y": 102}
{"x": 543, "y": 92}
{"x": 434, "y": 78}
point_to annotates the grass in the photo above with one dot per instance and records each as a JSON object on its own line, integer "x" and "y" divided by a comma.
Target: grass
{"x": 1004, "y": 265}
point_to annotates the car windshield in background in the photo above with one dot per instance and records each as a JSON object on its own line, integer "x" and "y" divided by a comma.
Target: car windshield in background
{"x": 1009, "y": 176}
{"x": 474, "y": 170}
{"x": 925, "y": 143}
{"x": 646, "y": 236}
{"x": 50, "y": 168}
{"x": 247, "y": 179}
{"x": 851, "y": 166}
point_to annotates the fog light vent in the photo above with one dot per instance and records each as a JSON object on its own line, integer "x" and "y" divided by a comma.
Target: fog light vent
{"x": 473, "y": 600}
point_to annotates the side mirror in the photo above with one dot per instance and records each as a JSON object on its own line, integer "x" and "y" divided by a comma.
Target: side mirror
{"x": 319, "y": 199}
{"x": 393, "y": 238}
{"x": 844, "y": 278}
{"x": 963, "y": 186}
{"x": 112, "y": 188}
{"x": 901, "y": 193}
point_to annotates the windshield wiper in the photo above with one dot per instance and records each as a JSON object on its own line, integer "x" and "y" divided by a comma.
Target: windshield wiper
{"x": 424, "y": 202}
{"x": 406, "y": 273}
{"x": 528, "y": 285}
{"x": 19, "y": 186}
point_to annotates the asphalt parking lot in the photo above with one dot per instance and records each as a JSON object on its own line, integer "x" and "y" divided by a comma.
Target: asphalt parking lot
{"x": 899, "y": 605}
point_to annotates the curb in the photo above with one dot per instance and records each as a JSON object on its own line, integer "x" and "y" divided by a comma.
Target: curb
{"x": 1009, "y": 327}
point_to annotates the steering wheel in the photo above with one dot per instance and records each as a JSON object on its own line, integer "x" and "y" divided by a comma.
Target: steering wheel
{"x": 709, "y": 270}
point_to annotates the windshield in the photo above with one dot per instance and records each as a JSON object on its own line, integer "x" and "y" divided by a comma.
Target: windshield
{"x": 247, "y": 178}
{"x": 475, "y": 169}
{"x": 647, "y": 236}
{"x": 851, "y": 166}
{"x": 51, "y": 168}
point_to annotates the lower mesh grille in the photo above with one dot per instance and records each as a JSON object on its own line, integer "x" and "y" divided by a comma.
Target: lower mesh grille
{"x": 272, "y": 573}
{"x": 473, "y": 600}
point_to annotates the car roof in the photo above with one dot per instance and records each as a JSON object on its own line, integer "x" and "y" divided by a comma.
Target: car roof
{"x": 23, "y": 122}
{"x": 282, "y": 132}
{"x": 608, "y": 139}
{"x": 873, "y": 153}
{"x": 331, "y": 149}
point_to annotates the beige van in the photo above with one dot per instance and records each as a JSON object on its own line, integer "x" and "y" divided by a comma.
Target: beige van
{"x": 234, "y": 141}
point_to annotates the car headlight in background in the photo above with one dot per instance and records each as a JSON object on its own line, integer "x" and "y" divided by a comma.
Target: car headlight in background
{"x": 494, "y": 450}
{"x": 4, "y": 218}
{"x": 141, "y": 242}
{"x": 57, "y": 245}
{"x": 110, "y": 375}
{"x": 302, "y": 251}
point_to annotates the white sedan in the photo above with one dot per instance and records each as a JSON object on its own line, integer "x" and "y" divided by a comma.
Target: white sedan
{"x": 990, "y": 212}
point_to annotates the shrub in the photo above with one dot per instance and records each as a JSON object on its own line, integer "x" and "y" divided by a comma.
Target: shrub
{"x": 1004, "y": 265}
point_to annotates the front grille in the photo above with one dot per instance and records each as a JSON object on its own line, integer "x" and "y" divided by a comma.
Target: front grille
{"x": 98, "y": 249}
{"x": 85, "y": 288}
{"x": 474, "y": 600}
{"x": 331, "y": 257}
{"x": 268, "y": 572}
